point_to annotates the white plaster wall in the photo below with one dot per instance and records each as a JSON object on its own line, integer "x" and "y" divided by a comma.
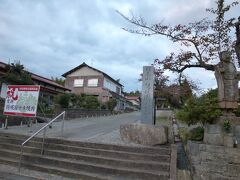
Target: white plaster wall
{"x": 108, "y": 84}
{"x": 3, "y": 91}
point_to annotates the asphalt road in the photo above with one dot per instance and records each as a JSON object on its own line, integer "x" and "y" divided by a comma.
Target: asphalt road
{"x": 82, "y": 128}
{"x": 93, "y": 127}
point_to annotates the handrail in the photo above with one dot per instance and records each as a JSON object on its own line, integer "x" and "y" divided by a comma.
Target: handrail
{"x": 44, "y": 133}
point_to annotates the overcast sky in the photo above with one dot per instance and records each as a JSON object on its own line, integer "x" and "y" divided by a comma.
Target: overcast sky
{"x": 51, "y": 37}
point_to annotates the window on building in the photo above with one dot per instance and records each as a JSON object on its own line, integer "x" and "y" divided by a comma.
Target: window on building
{"x": 93, "y": 82}
{"x": 118, "y": 90}
{"x": 78, "y": 82}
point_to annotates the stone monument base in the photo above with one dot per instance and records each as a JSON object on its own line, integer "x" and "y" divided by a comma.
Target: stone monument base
{"x": 144, "y": 134}
{"x": 234, "y": 120}
{"x": 212, "y": 162}
{"x": 214, "y": 134}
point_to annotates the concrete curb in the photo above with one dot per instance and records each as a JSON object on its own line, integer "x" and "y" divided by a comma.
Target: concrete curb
{"x": 173, "y": 162}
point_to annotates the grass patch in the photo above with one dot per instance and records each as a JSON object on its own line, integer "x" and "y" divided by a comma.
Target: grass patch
{"x": 162, "y": 121}
{"x": 195, "y": 134}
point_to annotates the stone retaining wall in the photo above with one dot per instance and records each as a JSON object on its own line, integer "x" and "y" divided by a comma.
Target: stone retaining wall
{"x": 212, "y": 162}
{"x": 70, "y": 114}
{"x": 81, "y": 113}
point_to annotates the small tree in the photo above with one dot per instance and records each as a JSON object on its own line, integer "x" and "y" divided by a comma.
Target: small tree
{"x": 91, "y": 102}
{"x": 63, "y": 100}
{"x": 111, "y": 104}
{"x": 200, "y": 43}
{"x": 202, "y": 109}
{"x": 60, "y": 81}
{"x": 133, "y": 93}
{"x": 70, "y": 100}
{"x": 174, "y": 94}
{"x": 17, "y": 75}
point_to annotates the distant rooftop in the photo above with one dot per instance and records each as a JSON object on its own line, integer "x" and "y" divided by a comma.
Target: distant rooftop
{"x": 39, "y": 78}
{"x": 85, "y": 65}
{"x": 132, "y": 97}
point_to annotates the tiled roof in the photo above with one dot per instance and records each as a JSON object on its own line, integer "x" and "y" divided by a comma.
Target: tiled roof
{"x": 40, "y": 78}
{"x": 132, "y": 97}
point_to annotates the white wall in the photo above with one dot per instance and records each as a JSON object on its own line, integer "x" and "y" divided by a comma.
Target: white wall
{"x": 3, "y": 91}
{"x": 108, "y": 84}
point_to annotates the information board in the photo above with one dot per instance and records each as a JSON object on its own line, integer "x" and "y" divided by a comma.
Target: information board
{"x": 21, "y": 100}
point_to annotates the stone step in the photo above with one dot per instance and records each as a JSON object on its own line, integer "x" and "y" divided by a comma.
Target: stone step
{"x": 113, "y": 161}
{"x": 109, "y": 153}
{"x": 140, "y": 149}
{"x": 163, "y": 149}
{"x": 85, "y": 160}
{"x": 93, "y": 151}
{"x": 53, "y": 170}
{"x": 14, "y": 176}
{"x": 86, "y": 166}
{"x": 18, "y": 136}
{"x": 20, "y": 141}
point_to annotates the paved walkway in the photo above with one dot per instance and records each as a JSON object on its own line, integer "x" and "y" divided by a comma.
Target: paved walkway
{"x": 97, "y": 129}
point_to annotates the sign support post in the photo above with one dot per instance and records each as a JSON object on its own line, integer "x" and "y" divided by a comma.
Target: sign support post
{"x": 6, "y": 122}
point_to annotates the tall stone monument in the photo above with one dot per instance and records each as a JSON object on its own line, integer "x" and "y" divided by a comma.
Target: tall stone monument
{"x": 147, "y": 103}
{"x": 227, "y": 79}
{"x": 146, "y": 132}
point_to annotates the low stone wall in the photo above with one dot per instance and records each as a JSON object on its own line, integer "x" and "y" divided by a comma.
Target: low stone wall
{"x": 70, "y": 114}
{"x": 144, "y": 134}
{"x": 173, "y": 163}
{"x": 212, "y": 162}
{"x": 81, "y": 113}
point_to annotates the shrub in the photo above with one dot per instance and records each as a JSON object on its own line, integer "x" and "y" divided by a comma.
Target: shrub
{"x": 91, "y": 102}
{"x": 184, "y": 134}
{"x": 103, "y": 106}
{"x": 71, "y": 100}
{"x": 111, "y": 104}
{"x": 227, "y": 126}
{"x": 202, "y": 109}
{"x": 237, "y": 112}
{"x": 196, "y": 134}
{"x": 63, "y": 100}
{"x": 43, "y": 108}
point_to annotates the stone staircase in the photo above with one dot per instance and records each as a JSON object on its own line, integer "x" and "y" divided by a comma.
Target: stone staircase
{"x": 83, "y": 160}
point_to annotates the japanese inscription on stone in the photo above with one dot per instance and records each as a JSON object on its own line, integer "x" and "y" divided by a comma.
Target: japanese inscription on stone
{"x": 147, "y": 104}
